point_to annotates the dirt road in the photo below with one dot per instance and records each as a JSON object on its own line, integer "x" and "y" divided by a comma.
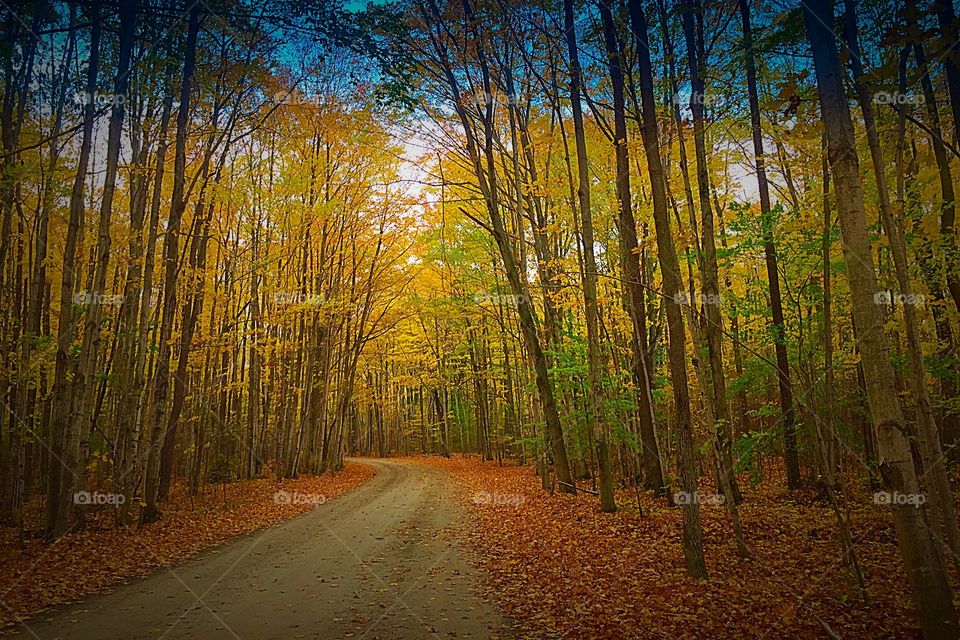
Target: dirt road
{"x": 379, "y": 562}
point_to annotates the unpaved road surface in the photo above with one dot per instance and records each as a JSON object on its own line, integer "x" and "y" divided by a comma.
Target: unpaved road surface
{"x": 379, "y": 562}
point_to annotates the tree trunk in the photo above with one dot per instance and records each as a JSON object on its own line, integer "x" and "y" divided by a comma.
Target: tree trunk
{"x": 630, "y": 262}
{"x": 670, "y": 268}
{"x": 785, "y": 385}
{"x": 150, "y": 513}
{"x": 487, "y": 180}
{"x": 64, "y": 431}
{"x": 931, "y": 590}
{"x": 947, "y": 21}
{"x": 941, "y": 502}
{"x": 594, "y": 365}
{"x": 711, "y": 289}
{"x": 85, "y": 380}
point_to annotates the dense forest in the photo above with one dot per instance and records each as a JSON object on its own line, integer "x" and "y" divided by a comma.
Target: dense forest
{"x": 676, "y": 246}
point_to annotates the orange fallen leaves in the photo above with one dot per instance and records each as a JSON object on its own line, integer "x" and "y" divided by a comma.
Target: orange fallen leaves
{"x": 40, "y": 574}
{"x": 562, "y": 568}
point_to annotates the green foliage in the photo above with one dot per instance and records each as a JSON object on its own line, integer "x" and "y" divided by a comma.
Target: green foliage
{"x": 748, "y": 448}
{"x": 623, "y": 435}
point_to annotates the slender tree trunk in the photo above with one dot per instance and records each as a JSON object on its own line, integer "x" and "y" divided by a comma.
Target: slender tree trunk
{"x": 936, "y": 253}
{"x": 825, "y": 432}
{"x": 487, "y": 179}
{"x": 784, "y": 383}
{"x": 630, "y": 263}
{"x": 131, "y": 409}
{"x": 150, "y": 513}
{"x": 65, "y": 433}
{"x": 670, "y": 268}
{"x": 594, "y": 365}
{"x": 691, "y": 12}
{"x": 84, "y": 383}
{"x": 16, "y": 472}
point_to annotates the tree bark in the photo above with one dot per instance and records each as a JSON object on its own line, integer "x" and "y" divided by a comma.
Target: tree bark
{"x": 784, "y": 383}
{"x": 630, "y": 262}
{"x": 931, "y": 590}
{"x": 940, "y": 499}
{"x": 64, "y": 431}
{"x": 487, "y": 182}
{"x": 150, "y": 513}
{"x": 691, "y": 12}
{"x": 670, "y": 268}
{"x": 594, "y": 365}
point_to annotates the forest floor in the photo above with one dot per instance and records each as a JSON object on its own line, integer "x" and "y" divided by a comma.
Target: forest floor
{"x": 562, "y": 568}
{"x": 434, "y": 547}
{"x": 36, "y": 575}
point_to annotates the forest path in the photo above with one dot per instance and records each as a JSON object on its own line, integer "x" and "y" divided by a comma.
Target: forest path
{"x": 379, "y": 562}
